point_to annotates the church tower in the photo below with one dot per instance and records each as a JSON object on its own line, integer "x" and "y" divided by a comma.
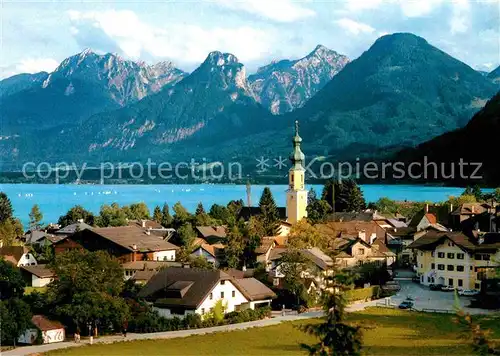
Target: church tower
{"x": 296, "y": 195}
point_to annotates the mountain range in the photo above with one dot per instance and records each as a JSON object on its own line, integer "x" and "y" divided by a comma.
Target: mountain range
{"x": 286, "y": 85}
{"x": 399, "y": 93}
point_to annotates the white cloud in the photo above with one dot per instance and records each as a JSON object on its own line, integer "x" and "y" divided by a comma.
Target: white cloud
{"x": 360, "y": 5}
{"x": 276, "y": 10}
{"x": 29, "y": 65}
{"x": 418, "y": 8}
{"x": 179, "y": 42}
{"x": 460, "y": 19}
{"x": 354, "y": 27}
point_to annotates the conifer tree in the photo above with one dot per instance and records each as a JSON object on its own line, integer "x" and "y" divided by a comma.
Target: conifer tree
{"x": 345, "y": 196}
{"x": 269, "y": 213}
{"x": 336, "y": 337}
{"x": 157, "y": 215}
{"x": 166, "y": 219}
{"x": 36, "y": 217}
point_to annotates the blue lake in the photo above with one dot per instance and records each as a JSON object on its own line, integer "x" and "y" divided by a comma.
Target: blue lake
{"x": 55, "y": 200}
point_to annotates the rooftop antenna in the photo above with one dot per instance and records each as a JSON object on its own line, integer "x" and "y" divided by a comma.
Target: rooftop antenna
{"x": 249, "y": 194}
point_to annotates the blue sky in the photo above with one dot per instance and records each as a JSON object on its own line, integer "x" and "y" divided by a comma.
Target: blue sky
{"x": 37, "y": 35}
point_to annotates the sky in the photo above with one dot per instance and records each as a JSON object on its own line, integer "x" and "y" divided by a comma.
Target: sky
{"x": 38, "y": 35}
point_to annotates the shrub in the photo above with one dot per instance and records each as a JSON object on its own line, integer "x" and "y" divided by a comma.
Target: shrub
{"x": 362, "y": 294}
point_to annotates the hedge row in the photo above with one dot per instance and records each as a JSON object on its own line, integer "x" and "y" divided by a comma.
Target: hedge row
{"x": 150, "y": 321}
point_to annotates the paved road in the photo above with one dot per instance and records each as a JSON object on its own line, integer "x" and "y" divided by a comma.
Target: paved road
{"x": 27, "y": 350}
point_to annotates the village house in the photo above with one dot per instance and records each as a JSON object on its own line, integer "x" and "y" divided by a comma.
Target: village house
{"x": 212, "y": 253}
{"x": 126, "y": 243}
{"x": 37, "y": 276}
{"x": 131, "y": 268}
{"x": 455, "y": 259}
{"x": 38, "y": 237}
{"x": 476, "y": 217}
{"x": 18, "y": 255}
{"x": 211, "y": 234}
{"x": 357, "y": 242}
{"x": 51, "y": 331}
{"x": 153, "y": 228}
{"x": 72, "y": 228}
{"x": 183, "y": 291}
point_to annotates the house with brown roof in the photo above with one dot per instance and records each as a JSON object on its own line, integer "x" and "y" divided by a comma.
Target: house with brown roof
{"x": 356, "y": 242}
{"x": 126, "y": 243}
{"x": 212, "y": 253}
{"x": 211, "y": 234}
{"x": 18, "y": 255}
{"x": 456, "y": 259}
{"x": 52, "y": 331}
{"x": 37, "y": 276}
{"x": 177, "y": 292}
{"x": 130, "y": 269}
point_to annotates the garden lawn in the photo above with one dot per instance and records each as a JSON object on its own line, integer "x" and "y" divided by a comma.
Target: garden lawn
{"x": 386, "y": 332}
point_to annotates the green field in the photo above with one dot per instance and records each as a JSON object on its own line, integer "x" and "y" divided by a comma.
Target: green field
{"x": 387, "y": 332}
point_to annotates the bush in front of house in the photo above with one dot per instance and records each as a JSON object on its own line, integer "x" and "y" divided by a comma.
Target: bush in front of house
{"x": 148, "y": 320}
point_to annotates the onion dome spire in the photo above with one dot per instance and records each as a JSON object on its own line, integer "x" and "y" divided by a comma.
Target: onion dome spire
{"x": 297, "y": 157}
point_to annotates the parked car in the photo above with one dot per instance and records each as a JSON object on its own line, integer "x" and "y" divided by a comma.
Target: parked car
{"x": 406, "y": 305}
{"x": 392, "y": 286}
{"x": 468, "y": 292}
{"x": 447, "y": 288}
{"x": 435, "y": 286}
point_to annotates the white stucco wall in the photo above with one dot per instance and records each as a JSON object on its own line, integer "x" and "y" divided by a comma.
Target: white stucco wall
{"x": 40, "y": 282}
{"x": 229, "y": 301}
{"x": 50, "y": 336}
{"x": 27, "y": 260}
{"x": 164, "y": 255}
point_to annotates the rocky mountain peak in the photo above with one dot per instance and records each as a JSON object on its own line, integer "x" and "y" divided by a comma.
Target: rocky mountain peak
{"x": 217, "y": 58}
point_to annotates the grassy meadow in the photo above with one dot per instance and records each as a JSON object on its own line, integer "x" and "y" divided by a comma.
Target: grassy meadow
{"x": 386, "y": 332}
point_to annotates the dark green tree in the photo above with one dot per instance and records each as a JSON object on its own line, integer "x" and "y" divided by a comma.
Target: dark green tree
{"x": 181, "y": 215}
{"x": 6, "y": 211}
{"x": 187, "y": 235}
{"x": 345, "y": 196}
{"x": 10, "y": 232}
{"x": 201, "y": 217}
{"x": 75, "y": 214}
{"x": 235, "y": 247}
{"x": 336, "y": 337}
{"x": 318, "y": 211}
{"x": 87, "y": 290}
{"x": 36, "y": 217}
{"x": 293, "y": 264}
{"x": 475, "y": 191}
{"x": 157, "y": 216}
{"x": 139, "y": 211}
{"x": 15, "y": 316}
{"x": 11, "y": 281}
{"x": 111, "y": 215}
{"x": 269, "y": 213}
{"x": 166, "y": 218}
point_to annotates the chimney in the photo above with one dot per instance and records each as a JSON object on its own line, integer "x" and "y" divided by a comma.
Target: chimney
{"x": 362, "y": 235}
{"x": 143, "y": 223}
{"x": 426, "y": 208}
{"x": 134, "y": 246}
{"x": 451, "y": 207}
{"x": 472, "y": 209}
{"x": 244, "y": 268}
{"x": 80, "y": 221}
